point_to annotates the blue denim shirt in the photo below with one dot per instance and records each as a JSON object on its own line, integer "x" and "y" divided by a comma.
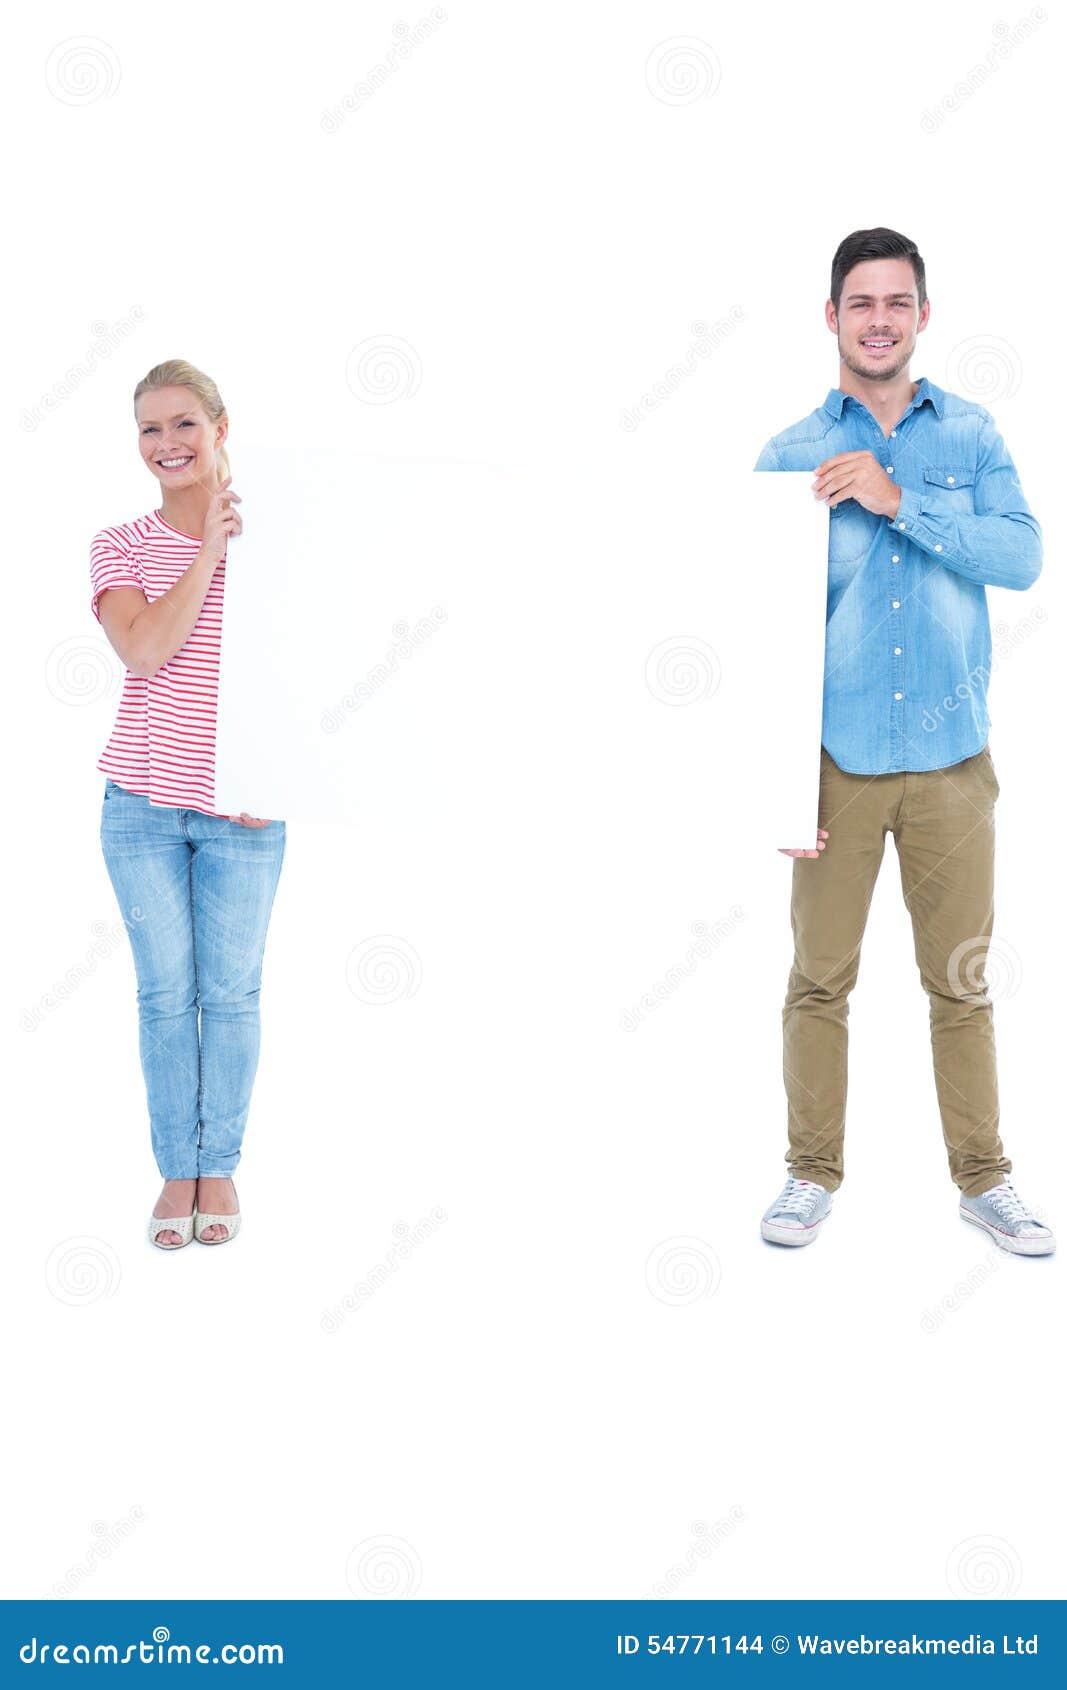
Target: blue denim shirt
{"x": 908, "y": 649}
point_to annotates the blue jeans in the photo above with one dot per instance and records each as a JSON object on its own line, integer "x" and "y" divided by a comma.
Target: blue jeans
{"x": 195, "y": 892}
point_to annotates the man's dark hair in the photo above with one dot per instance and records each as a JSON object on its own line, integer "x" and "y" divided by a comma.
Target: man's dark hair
{"x": 863, "y": 244}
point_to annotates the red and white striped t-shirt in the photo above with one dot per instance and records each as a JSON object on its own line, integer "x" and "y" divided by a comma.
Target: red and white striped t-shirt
{"x": 163, "y": 742}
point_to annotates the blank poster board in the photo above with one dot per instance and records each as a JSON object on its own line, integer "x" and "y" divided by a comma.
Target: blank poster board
{"x": 334, "y": 589}
{"x": 792, "y": 531}
{"x": 367, "y": 597}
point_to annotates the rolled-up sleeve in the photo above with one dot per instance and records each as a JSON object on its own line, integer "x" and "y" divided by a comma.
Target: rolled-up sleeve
{"x": 109, "y": 566}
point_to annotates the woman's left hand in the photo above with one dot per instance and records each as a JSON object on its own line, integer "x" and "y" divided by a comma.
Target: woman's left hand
{"x": 249, "y": 821}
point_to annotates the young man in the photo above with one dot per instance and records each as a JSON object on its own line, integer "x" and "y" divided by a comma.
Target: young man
{"x": 926, "y": 511}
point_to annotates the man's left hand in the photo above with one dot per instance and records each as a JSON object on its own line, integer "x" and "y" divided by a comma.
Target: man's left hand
{"x": 859, "y": 476}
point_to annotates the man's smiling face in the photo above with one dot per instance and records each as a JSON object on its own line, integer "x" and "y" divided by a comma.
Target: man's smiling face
{"x": 878, "y": 318}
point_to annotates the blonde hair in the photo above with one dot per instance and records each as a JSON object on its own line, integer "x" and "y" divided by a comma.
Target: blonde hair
{"x": 176, "y": 372}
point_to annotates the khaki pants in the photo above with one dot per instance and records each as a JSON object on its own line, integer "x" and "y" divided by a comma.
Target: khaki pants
{"x": 942, "y": 823}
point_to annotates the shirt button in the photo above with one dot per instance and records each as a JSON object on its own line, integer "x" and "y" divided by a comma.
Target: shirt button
{"x": 937, "y": 548}
{"x": 892, "y": 434}
{"x": 895, "y": 558}
{"x": 896, "y": 651}
{"x": 896, "y": 604}
{"x": 951, "y": 479}
{"x": 889, "y": 469}
{"x": 900, "y": 525}
{"x": 898, "y": 695}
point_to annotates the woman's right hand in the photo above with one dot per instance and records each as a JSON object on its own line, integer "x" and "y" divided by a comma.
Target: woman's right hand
{"x": 221, "y": 522}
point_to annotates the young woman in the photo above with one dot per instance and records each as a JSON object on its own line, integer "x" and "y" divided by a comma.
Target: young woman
{"x": 195, "y": 887}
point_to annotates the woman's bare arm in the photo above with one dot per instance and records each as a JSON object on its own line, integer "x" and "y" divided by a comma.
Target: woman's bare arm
{"x": 145, "y": 635}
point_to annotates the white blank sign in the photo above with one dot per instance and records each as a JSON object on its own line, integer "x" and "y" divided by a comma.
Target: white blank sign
{"x": 334, "y": 597}
{"x": 363, "y": 593}
{"x": 781, "y": 648}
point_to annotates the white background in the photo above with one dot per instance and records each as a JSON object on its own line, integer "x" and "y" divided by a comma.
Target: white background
{"x": 590, "y": 1371}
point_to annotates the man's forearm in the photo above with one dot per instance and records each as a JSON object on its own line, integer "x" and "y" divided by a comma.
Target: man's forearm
{"x": 1000, "y": 549}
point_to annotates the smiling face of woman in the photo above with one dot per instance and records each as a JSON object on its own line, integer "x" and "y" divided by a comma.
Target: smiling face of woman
{"x": 178, "y": 441}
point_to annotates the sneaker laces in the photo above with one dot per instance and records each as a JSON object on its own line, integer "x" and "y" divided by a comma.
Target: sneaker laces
{"x": 1007, "y": 1202}
{"x": 799, "y": 1196}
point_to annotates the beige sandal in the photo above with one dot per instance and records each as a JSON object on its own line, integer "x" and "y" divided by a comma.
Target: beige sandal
{"x": 232, "y": 1223}
{"x": 183, "y": 1225}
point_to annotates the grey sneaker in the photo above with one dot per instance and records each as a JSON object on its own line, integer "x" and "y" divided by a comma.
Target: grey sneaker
{"x": 796, "y": 1216}
{"x": 1003, "y": 1214}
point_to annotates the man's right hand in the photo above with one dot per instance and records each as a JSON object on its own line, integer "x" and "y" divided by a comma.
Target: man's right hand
{"x": 821, "y": 837}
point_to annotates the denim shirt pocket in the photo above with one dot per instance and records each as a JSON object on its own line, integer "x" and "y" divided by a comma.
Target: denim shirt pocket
{"x": 949, "y": 487}
{"x": 852, "y": 532}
